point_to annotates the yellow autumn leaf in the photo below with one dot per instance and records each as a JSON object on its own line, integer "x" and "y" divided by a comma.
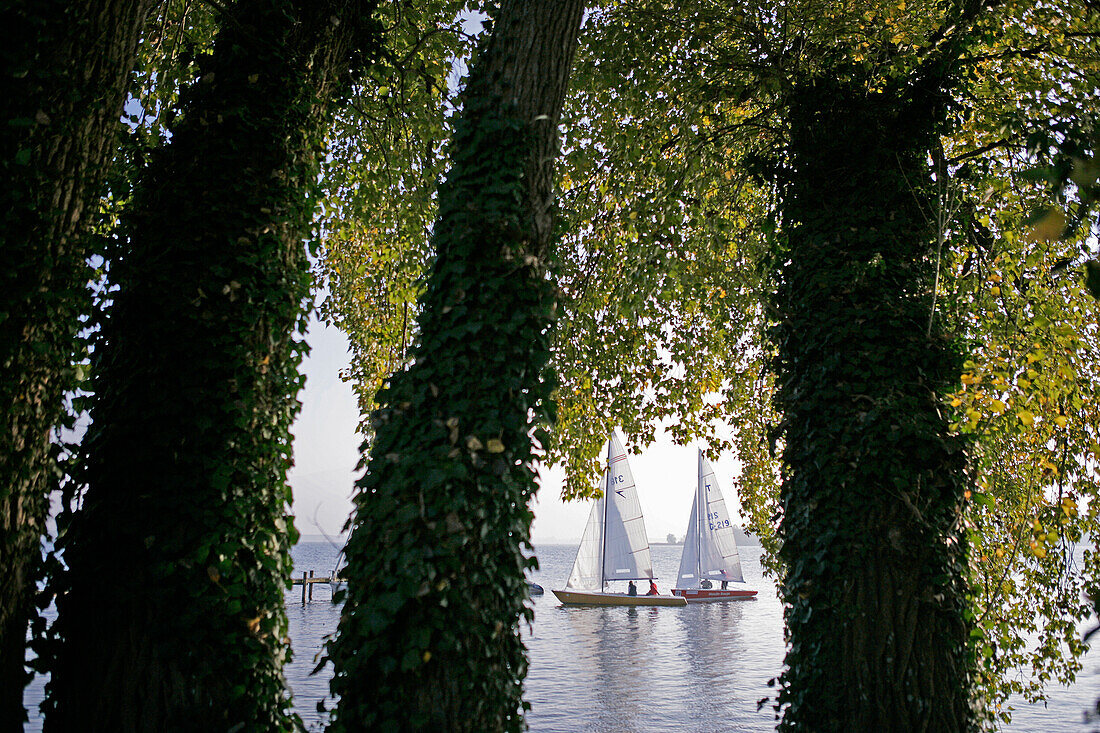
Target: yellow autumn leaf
{"x": 495, "y": 446}
{"x": 1069, "y": 506}
{"x": 1025, "y": 417}
{"x": 997, "y": 407}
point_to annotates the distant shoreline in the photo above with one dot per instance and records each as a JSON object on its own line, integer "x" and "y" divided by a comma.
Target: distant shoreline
{"x": 556, "y": 542}
{"x": 340, "y": 539}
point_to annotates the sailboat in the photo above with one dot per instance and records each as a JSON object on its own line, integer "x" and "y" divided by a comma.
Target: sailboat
{"x": 614, "y": 545}
{"x": 710, "y": 547}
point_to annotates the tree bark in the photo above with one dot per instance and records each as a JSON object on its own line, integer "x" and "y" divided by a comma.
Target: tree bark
{"x": 65, "y": 74}
{"x": 429, "y": 635}
{"x": 171, "y": 613}
{"x": 873, "y": 481}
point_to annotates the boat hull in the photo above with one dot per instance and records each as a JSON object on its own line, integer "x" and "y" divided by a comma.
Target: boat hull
{"x": 594, "y": 598}
{"x": 711, "y": 595}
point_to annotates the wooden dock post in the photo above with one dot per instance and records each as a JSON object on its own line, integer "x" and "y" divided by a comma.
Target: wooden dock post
{"x": 304, "y": 586}
{"x": 311, "y": 586}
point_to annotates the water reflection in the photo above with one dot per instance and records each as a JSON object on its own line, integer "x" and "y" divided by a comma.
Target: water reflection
{"x": 714, "y": 642}
{"x": 700, "y": 668}
{"x": 619, "y": 650}
{"x": 611, "y": 632}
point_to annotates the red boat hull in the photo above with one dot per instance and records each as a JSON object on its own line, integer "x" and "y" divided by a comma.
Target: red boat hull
{"x": 710, "y": 595}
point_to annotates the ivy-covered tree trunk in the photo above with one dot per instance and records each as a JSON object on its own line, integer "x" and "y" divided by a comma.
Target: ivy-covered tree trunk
{"x": 873, "y": 482}
{"x": 171, "y": 614}
{"x": 65, "y": 67}
{"x": 429, "y": 638}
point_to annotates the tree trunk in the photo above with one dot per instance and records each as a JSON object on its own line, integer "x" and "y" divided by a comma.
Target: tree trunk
{"x": 873, "y": 481}
{"x": 429, "y": 637}
{"x": 65, "y": 74}
{"x": 172, "y": 613}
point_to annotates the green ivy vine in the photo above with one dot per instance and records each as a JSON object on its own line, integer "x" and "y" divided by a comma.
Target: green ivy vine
{"x": 429, "y": 636}
{"x": 177, "y": 557}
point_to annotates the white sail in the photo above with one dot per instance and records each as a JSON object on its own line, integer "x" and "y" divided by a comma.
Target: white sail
{"x": 587, "y": 567}
{"x": 688, "y": 575}
{"x": 710, "y": 546}
{"x": 614, "y": 545}
{"x": 626, "y": 547}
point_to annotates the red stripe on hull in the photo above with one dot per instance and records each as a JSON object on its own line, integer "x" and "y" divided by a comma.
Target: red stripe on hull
{"x": 705, "y": 595}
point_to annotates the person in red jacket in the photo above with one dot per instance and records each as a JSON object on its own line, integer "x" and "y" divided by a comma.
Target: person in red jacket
{"x": 652, "y": 588}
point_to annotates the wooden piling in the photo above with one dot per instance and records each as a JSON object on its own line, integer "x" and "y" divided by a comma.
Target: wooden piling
{"x": 308, "y": 579}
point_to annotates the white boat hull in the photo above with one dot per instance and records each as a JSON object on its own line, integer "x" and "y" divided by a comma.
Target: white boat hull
{"x": 710, "y": 595}
{"x": 595, "y": 598}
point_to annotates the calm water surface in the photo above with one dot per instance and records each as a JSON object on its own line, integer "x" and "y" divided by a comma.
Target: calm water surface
{"x": 700, "y": 669}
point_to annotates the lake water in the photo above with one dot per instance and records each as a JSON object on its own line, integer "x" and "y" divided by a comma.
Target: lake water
{"x": 700, "y": 669}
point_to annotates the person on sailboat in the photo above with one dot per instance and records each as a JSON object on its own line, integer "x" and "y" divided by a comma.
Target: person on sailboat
{"x": 631, "y": 589}
{"x": 652, "y": 588}
{"x": 725, "y": 583}
{"x": 706, "y": 584}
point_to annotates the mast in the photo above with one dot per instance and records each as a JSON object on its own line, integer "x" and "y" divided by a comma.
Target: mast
{"x": 700, "y": 499}
{"x": 603, "y": 528}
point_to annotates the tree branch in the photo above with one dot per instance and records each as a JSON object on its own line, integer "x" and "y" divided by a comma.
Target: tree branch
{"x": 1003, "y": 143}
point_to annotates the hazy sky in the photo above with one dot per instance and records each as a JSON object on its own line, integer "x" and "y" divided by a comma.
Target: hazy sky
{"x": 326, "y": 450}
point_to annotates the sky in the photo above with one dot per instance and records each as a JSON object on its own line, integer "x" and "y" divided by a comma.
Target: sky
{"x": 326, "y": 451}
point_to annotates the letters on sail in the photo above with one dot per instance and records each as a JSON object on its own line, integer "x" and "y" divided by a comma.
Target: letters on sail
{"x": 710, "y": 546}
{"x": 614, "y": 545}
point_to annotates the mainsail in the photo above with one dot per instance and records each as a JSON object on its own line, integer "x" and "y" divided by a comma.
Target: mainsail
{"x": 710, "y": 547}
{"x": 614, "y": 545}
